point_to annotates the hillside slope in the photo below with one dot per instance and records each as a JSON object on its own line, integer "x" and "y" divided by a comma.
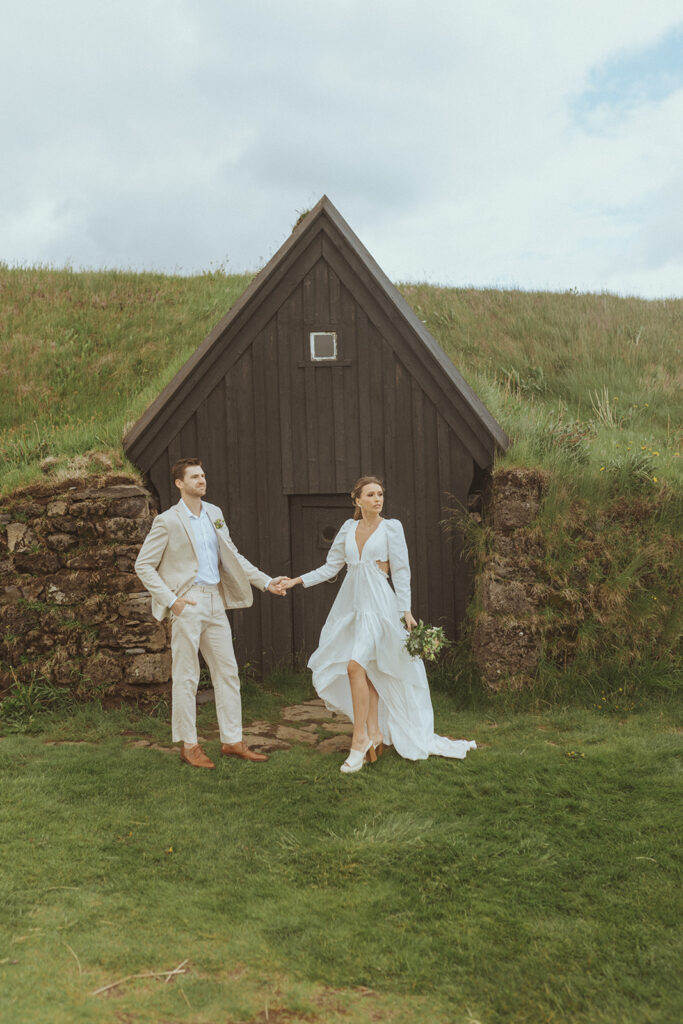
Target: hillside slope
{"x": 587, "y": 387}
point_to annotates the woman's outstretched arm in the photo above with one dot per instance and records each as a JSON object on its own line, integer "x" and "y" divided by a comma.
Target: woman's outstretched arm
{"x": 336, "y": 560}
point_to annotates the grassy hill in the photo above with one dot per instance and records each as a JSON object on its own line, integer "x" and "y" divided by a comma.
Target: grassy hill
{"x": 587, "y": 387}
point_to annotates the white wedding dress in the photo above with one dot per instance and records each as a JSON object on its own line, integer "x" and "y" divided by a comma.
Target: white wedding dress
{"x": 364, "y": 625}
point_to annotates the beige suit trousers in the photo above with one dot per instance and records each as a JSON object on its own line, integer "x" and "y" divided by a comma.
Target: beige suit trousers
{"x": 204, "y": 627}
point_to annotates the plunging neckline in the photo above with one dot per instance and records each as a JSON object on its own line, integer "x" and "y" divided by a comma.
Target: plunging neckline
{"x": 355, "y": 538}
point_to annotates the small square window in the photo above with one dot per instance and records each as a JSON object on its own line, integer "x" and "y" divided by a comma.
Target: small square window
{"x": 323, "y": 346}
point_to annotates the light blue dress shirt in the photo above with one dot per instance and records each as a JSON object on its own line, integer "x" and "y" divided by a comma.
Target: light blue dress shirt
{"x": 206, "y": 543}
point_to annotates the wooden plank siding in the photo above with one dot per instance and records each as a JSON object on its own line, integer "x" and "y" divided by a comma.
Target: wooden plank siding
{"x": 460, "y": 417}
{"x": 216, "y": 362}
{"x": 283, "y": 439}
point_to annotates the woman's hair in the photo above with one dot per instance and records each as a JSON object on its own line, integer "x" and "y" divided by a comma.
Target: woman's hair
{"x": 358, "y": 490}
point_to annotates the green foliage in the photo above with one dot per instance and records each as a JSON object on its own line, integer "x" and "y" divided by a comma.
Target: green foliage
{"x": 568, "y": 438}
{"x": 631, "y": 472}
{"x": 24, "y": 709}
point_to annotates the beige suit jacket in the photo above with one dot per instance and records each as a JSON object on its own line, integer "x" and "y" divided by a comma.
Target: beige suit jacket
{"x": 167, "y": 564}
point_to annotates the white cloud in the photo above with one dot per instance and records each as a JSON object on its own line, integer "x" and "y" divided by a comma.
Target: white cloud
{"x": 172, "y": 134}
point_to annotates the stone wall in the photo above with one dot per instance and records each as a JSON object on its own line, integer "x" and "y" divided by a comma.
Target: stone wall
{"x": 71, "y": 608}
{"x": 508, "y": 632}
{"x": 73, "y": 611}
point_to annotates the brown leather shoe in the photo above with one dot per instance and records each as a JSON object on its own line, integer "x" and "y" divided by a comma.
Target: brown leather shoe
{"x": 196, "y": 757}
{"x": 241, "y": 750}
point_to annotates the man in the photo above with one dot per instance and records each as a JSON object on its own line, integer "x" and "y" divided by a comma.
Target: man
{"x": 193, "y": 571}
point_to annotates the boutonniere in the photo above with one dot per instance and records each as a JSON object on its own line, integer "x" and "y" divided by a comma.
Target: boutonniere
{"x": 219, "y": 524}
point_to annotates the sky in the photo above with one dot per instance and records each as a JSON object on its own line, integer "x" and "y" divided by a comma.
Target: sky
{"x": 502, "y": 143}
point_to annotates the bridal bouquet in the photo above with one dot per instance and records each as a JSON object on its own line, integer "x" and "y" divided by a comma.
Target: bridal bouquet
{"x": 425, "y": 641}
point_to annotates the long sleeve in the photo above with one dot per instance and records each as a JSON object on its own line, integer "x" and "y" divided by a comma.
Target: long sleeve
{"x": 399, "y": 564}
{"x": 336, "y": 560}
{"x": 147, "y": 562}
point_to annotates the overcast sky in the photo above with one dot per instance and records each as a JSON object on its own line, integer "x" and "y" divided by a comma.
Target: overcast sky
{"x": 503, "y": 143}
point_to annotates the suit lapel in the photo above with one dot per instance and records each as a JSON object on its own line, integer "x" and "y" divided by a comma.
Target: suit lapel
{"x": 182, "y": 518}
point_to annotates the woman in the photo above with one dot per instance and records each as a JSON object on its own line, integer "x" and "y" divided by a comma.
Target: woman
{"x": 361, "y": 666}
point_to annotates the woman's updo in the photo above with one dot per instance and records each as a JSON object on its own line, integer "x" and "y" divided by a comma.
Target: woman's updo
{"x": 358, "y": 490}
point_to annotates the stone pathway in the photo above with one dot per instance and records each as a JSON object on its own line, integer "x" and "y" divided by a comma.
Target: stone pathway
{"x": 310, "y": 723}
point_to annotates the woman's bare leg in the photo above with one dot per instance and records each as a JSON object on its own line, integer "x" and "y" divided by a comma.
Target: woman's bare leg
{"x": 373, "y": 719}
{"x": 360, "y": 698}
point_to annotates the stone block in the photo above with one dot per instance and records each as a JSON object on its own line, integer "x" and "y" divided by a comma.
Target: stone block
{"x": 111, "y": 492}
{"x": 120, "y": 528}
{"x": 57, "y": 508}
{"x": 125, "y": 557}
{"x": 65, "y": 524}
{"x": 94, "y": 609}
{"x": 87, "y": 509}
{"x": 18, "y": 619}
{"x": 130, "y": 508}
{"x": 61, "y": 541}
{"x": 37, "y": 562}
{"x": 32, "y": 589}
{"x": 16, "y": 536}
{"x": 305, "y": 713}
{"x": 53, "y": 595}
{"x": 121, "y": 583}
{"x": 102, "y": 669}
{"x": 291, "y": 735}
{"x": 138, "y": 605}
{"x": 97, "y": 558}
{"x": 146, "y": 669}
{"x": 36, "y": 642}
{"x": 72, "y": 586}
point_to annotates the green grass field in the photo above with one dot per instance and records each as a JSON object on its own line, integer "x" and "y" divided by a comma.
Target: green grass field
{"x": 535, "y": 881}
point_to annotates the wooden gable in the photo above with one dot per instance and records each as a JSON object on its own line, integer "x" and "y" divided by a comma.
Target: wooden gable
{"x": 283, "y": 437}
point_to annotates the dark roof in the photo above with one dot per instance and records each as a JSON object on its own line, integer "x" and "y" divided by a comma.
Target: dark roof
{"x": 430, "y": 354}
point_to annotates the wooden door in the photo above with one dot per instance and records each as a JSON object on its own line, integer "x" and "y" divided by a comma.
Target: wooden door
{"x": 315, "y": 520}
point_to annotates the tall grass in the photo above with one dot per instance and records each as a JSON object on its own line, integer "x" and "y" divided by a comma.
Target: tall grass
{"x": 83, "y": 354}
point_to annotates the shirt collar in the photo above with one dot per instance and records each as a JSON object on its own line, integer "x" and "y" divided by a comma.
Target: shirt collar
{"x": 191, "y": 515}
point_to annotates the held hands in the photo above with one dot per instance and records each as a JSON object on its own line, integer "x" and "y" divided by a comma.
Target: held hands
{"x": 281, "y": 584}
{"x": 289, "y": 583}
{"x": 278, "y": 586}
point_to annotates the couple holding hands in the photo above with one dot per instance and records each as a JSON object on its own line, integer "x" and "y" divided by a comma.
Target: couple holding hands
{"x": 193, "y": 571}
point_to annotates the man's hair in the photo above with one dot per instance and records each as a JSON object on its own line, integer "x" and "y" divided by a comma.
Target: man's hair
{"x": 178, "y": 468}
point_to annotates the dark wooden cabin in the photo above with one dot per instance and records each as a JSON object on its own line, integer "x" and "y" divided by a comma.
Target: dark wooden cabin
{"x": 319, "y": 374}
